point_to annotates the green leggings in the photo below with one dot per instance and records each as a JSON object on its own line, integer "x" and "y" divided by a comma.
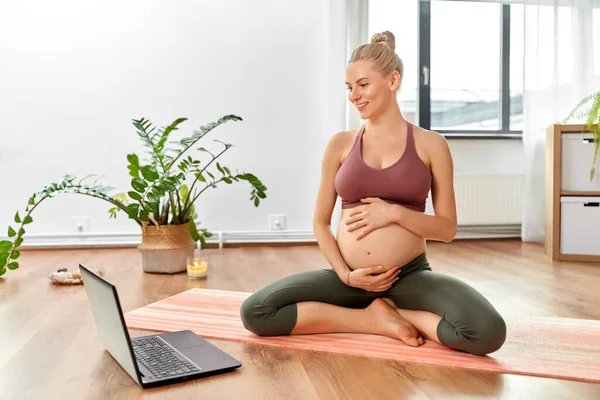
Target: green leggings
{"x": 469, "y": 322}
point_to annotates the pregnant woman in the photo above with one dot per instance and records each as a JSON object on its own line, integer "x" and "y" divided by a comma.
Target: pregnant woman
{"x": 380, "y": 281}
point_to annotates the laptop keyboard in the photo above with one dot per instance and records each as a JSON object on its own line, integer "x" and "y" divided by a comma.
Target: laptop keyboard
{"x": 160, "y": 358}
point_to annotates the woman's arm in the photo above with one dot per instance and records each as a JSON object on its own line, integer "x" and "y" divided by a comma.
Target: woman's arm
{"x": 325, "y": 203}
{"x": 426, "y": 226}
{"x": 442, "y": 225}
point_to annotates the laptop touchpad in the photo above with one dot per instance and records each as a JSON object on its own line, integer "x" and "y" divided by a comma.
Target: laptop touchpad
{"x": 201, "y": 354}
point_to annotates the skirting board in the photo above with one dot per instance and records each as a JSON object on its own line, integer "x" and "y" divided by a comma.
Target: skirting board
{"x": 77, "y": 240}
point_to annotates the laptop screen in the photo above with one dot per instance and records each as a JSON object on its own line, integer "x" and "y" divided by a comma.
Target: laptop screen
{"x": 106, "y": 309}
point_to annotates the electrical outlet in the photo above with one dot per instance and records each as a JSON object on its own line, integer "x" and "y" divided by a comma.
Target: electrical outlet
{"x": 276, "y": 222}
{"x": 82, "y": 224}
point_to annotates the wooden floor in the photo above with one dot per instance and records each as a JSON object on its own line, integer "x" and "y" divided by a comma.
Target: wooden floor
{"x": 49, "y": 347}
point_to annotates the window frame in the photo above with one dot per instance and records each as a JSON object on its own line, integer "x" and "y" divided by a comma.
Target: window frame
{"x": 424, "y": 68}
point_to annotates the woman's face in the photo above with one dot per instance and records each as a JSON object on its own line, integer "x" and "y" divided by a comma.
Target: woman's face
{"x": 368, "y": 90}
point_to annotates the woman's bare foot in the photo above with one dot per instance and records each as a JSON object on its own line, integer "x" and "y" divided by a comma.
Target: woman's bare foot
{"x": 421, "y": 339}
{"x": 392, "y": 324}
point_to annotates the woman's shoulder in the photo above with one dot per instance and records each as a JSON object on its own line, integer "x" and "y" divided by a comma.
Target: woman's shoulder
{"x": 343, "y": 139}
{"x": 344, "y": 136}
{"x": 428, "y": 137}
{"x": 430, "y": 145}
{"x": 341, "y": 143}
{"x": 430, "y": 142}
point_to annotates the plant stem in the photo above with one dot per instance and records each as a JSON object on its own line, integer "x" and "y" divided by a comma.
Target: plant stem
{"x": 178, "y": 203}
{"x": 99, "y": 196}
{"x": 199, "y": 193}
{"x": 164, "y": 214}
{"x": 173, "y": 206}
{"x": 151, "y": 218}
{"x": 23, "y": 224}
{"x": 206, "y": 166}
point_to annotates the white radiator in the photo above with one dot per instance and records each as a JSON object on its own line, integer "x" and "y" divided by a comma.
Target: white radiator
{"x": 489, "y": 199}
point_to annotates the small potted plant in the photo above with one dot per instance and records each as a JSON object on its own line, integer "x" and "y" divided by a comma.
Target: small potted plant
{"x": 164, "y": 186}
{"x": 588, "y": 109}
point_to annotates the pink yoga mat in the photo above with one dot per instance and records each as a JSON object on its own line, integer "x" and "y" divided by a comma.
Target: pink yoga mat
{"x": 550, "y": 347}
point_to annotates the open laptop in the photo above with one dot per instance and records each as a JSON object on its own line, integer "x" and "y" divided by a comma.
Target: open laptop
{"x": 153, "y": 360}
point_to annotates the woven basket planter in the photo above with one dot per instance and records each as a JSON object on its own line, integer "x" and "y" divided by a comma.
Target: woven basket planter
{"x": 165, "y": 248}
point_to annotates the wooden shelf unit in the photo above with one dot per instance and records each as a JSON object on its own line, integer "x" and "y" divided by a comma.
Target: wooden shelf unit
{"x": 554, "y": 193}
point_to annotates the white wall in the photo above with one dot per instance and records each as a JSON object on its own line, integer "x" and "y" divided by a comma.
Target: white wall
{"x": 73, "y": 75}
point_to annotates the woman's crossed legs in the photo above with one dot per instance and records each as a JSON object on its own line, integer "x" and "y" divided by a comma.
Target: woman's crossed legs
{"x": 441, "y": 307}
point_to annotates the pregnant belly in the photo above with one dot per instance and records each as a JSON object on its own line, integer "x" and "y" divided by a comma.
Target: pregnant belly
{"x": 387, "y": 246}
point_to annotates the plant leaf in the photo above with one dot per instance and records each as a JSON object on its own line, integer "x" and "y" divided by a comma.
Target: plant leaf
{"x": 193, "y": 231}
{"x": 11, "y": 232}
{"x": 133, "y": 207}
{"x": 13, "y": 265}
{"x": 18, "y": 242}
{"x": 3, "y": 258}
{"x": 28, "y": 220}
{"x": 139, "y": 185}
{"x": 149, "y": 173}
{"x": 5, "y": 245}
{"x": 133, "y": 171}
{"x": 184, "y": 191}
{"x": 200, "y": 177}
{"x": 17, "y": 218}
{"x": 165, "y": 134}
{"x": 133, "y": 159}
{"x": 15, "y": 254}
{"x": 135, "y": 195}
{"x": 2, "y": 271}
{"x": 153, "y": 197}
{"x": 144, "y": 216}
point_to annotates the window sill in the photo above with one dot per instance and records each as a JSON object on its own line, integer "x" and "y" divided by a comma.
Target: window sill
{"x": 511, "y": 135}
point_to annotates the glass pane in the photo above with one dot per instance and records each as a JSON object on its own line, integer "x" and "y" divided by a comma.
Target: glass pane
{"x": 465, "y": 65}
{"x": 401, "y": 18}
{"x": 516, "y": 67}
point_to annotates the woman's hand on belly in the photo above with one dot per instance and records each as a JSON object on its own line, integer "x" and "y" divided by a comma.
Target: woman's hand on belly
{"x": 373, "y": 279}
{"x": 375, "y": 214}
{"x": 387, "y": 246}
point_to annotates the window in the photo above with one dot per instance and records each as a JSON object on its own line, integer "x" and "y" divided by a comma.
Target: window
{"x": 515, "y": 77}
{"x": 400, "y": 17}
{"x": 465, "y": 66}
{"x": 463, "y": 63}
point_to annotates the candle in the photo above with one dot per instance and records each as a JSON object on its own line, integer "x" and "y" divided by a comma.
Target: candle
{"x": 196, "y": 268}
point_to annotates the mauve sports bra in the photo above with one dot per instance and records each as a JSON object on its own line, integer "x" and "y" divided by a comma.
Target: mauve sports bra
{"x": 406, "y": 182}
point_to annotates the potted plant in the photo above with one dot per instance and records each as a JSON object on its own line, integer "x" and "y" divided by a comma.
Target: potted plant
{"x": 164, "y": 186}
{"x": 588, "y": 109}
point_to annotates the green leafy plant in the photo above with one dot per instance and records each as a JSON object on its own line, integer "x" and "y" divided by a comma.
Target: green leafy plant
{"x": 588, "y": 109}
{"x": 164, "y": 186}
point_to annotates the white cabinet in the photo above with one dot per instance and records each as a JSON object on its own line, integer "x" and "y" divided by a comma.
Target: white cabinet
{"x": 572, "y": 229}
{"x": 580, "y": 225}
{"x": 577, "y": 156}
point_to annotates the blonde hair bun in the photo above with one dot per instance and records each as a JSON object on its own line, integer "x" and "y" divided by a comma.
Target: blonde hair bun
{"x": 383, "y": 55}
{"x": 386, "y": 37}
